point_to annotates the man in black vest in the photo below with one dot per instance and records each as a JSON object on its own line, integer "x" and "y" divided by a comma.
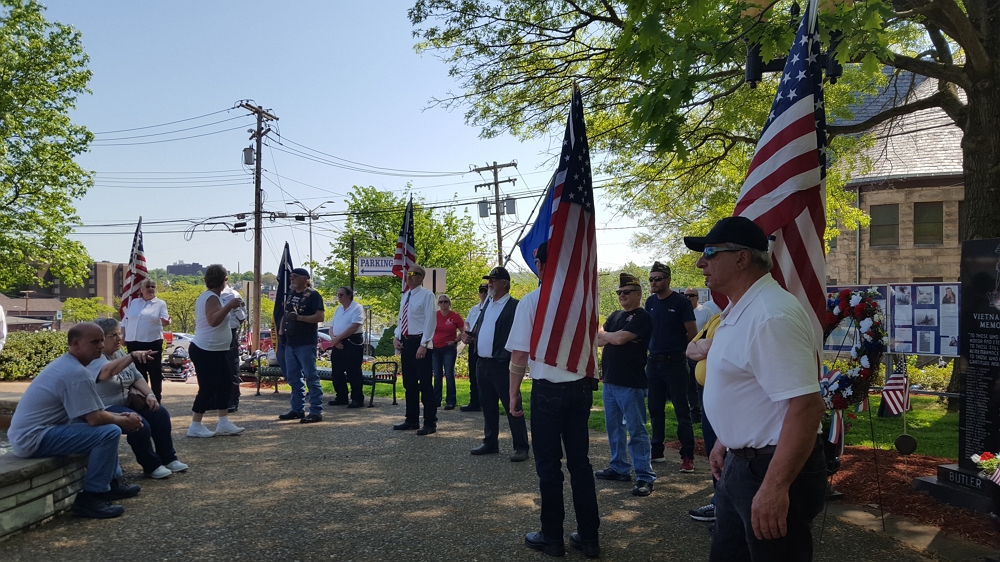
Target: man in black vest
{"x": 492, "y": 369}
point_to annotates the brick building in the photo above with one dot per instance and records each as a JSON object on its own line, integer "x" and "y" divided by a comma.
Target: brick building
{"x": 105, "y": 280}
{"x": 912, "y": 194}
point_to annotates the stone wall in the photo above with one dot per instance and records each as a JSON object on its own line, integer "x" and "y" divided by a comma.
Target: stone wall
{"x": 33, "y": 490}
{"x": 907, "y": 261}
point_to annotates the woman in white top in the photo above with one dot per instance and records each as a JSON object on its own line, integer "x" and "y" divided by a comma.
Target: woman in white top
{"x": 347, "y": 352}
{"x": 152, "y": 444}
{"x": 144, "y": 322}
{"x": 208, "y": 352}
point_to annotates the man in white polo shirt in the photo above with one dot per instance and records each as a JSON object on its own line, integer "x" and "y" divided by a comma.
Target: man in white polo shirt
{"x": 763, "y": 398}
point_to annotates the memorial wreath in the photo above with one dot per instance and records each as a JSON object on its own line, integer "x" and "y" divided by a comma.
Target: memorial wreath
{"x": 842, "y": 389}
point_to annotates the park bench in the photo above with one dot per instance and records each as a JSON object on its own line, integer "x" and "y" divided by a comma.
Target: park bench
{"x": 382, "y": 372}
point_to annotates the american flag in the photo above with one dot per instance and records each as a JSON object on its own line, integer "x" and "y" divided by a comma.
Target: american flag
{"x": 405, "y": 254}
{"x": 135, "y": 273}
{"x": 896, "y": 393}
{"x": 565, "y": 329}
{"x": 785, "y": 188}
{"x": 283, "y": 290}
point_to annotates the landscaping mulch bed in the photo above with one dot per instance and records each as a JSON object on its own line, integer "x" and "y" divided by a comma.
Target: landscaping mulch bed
{"x": 857, "y": 480}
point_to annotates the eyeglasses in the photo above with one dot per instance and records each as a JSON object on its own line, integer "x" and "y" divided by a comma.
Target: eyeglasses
{"x": 691, "y": 296}
{"x": 656, "y": 279}
{"x": 484, "y": 289}
{"x": 412, "y": 273}
{"x": 626, "y": 292}
{"x": 711, "y": 251}
{"x": 444, "y": 302}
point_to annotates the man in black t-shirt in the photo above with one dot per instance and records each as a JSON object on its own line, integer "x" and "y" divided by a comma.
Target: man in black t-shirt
{"x": 303, "y": 313}
{"x": 667, "y": 369}
{"x": 625, "y": 338}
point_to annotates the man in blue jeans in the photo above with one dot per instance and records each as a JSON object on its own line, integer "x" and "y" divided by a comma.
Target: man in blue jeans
{"x": 61, "y": 414}
{"x": 625, "y": 337}
{"x": 303, "y": 313}
{"x": 667, "y": 367}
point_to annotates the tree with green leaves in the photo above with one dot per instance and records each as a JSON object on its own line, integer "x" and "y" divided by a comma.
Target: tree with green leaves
{"x": 443, "y": 239}
{"x": 180, "y": 299}
{"x": 43, "y": 68}
{"x": 86, "y": 310}
{"x": 667, "y": 104}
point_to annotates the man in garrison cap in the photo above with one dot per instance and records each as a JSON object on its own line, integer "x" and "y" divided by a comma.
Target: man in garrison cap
{"x": 625, "y": 338}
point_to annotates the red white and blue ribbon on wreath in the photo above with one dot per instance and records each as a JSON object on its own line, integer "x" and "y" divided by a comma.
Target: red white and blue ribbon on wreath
{"x": 830, "y": 382}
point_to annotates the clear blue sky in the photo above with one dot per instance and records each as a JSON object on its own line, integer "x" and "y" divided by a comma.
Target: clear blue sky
{"x": 343, "y": 79}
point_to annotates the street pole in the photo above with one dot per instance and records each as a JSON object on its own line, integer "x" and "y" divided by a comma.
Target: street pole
{"x": 353, "y": 259}
{"x": 495, "y": 168}
{"x": 311, "y": 213}
{"x": 258, "y": 236}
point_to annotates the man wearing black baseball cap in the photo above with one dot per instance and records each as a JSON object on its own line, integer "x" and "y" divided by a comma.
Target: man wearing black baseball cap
{"x": 763, "y": 398}
{"x": 467, "y": 338}
{"x": 303, "y": 313}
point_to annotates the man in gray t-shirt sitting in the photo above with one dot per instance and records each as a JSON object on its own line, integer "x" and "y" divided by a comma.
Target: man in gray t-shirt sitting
{"x": 61, "y": 414}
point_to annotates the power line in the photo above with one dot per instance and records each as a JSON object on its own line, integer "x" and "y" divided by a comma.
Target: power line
{"x": 379, "y": 172}
{"x": 163, "y": 124}
{"x": 172, "y": 132}
{"x": 423, "y": 172}
{"x": 168, "y": 140}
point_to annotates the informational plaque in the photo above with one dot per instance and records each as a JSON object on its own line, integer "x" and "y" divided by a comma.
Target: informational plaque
{"x": 979, "y": 419}
{"x": 925, "y": 318}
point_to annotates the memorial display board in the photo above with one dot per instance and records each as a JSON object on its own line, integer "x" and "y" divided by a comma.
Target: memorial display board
{"x": 924, "y": 318}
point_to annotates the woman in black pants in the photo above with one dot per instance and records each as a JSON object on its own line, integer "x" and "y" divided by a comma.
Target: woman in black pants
{"x": 144, "y": 322}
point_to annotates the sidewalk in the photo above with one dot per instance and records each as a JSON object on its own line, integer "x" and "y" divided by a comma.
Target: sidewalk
{"x": 351, "y": 488}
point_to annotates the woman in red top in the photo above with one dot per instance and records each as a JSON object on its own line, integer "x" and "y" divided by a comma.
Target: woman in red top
{"x": 449, "y": 326}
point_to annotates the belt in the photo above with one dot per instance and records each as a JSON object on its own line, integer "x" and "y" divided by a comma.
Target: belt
{"x": 665, "y": 357}
{"x": 750, "y": 452}
{"x": 585, "y": 381}
{"x": 414, "y": 337}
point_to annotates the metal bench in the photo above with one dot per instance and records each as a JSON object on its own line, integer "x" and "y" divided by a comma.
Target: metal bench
{"x": 383, "y": 372}
{"x": 265, "y": 371}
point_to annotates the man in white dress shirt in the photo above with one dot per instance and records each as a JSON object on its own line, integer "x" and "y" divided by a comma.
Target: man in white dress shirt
{"x": 236, "y": 318}
{"x": 413, "y": 338}
{"x": 470, "y": 323}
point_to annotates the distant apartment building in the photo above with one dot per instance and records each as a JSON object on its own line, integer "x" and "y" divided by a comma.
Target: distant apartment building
{"x": 913, "y": 196}
{"x": 181, "y": 268}
{"x": 104, "y": 280}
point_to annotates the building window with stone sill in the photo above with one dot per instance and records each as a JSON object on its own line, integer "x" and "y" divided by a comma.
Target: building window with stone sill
{"x": 928, "y": 223}
{"x": 884, "y": 229}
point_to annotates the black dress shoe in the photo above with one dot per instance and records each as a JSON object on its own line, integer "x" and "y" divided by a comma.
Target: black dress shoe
{"x": 405, "y": 425}
{"x": 519, "y": 456}
{"x": 356, "y": 404}
{"x": 427, "y": 430}
{"x": 89, "y": 504}
{"x": 449, "y": 407}
{"x": 311, "y": 418}
{"x": 119, "y": 490}
{"x": 590, "y": 548}
{"x": 612, "y": 474}
{"x": 485, "y": 449}
{"x": 338, "y": 402}
{"x": 470, "y": 408}
{"x": 537, "y": 541}
{"x": 293, "y": 415}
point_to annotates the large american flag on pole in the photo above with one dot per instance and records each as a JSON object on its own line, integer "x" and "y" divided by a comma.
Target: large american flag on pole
{"x": 405, "y": 254}
{"x": 135, "y": 273}
{"x": 565, "y": 329}
{"x": 785, "y": 188}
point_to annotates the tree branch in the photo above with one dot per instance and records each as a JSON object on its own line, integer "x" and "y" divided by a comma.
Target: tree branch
{"x": 939, "y": 99}
{"x": 944, "y": 72}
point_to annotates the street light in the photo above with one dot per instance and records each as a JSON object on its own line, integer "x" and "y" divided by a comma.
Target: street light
{"x": 311, "y": 214}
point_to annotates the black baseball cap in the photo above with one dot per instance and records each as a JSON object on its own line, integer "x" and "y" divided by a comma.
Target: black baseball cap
{"x": 301, "y": 272}
{"x": 498, "y": 273}
{"x": 730, "y": 230}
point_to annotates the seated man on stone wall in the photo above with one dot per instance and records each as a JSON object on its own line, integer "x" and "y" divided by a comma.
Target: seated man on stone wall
{"x": 61, "y": 414}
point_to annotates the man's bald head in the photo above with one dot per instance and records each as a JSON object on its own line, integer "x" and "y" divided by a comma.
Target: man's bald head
{"x": 86, "y": 342}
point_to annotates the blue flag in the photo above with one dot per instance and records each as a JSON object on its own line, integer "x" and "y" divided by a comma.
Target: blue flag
{"x": 540, "y": 231}
{"x": 284, "y": 289}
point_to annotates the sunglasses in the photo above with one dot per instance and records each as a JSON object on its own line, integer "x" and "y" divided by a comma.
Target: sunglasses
{"x": 691, "y": 296}
{"x": 444, "y": 302}
{"x": 626, "y": 292}
{"x": 711, "y": 251}
{"x": 484, "y": 289}
{"x": 412, "y": 273}
{"x": 656, "y": 279}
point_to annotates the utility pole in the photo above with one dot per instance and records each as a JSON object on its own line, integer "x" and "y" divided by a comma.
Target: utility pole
{"x": 258, "y": 235}
{"x": 311, "y": 213}
{"x": 495, "y": 168}
{"x": 353, "y": 261}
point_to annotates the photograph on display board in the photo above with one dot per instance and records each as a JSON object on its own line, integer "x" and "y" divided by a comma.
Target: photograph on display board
{"x": 925, "y": 342}
{"x": 949, "y": 295}
{"x": 902, "y": 347}
{"x": 902, "y": 295}
{"x": 949, "y": 345}
{"x": 925, "y": 318}
{"x": 925, "y": 295}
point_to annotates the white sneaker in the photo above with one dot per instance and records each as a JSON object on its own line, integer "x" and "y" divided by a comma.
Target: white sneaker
{"x": 227, "y": 427}
{"x": 160, "y": 472}
{"x": 177, "y": 466}
{"x": 199, "y": 430}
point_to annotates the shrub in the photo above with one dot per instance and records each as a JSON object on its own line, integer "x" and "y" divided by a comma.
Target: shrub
{"x": 931, "y": 377}
{"x": 26, "y": 353}
{"x": 384, "y": 347}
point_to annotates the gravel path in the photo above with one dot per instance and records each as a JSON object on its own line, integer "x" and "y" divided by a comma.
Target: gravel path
{"x": 351, "y": 488}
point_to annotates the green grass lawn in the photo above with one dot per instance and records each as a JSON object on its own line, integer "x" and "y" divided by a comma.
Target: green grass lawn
{"x": 934, "y": 428}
